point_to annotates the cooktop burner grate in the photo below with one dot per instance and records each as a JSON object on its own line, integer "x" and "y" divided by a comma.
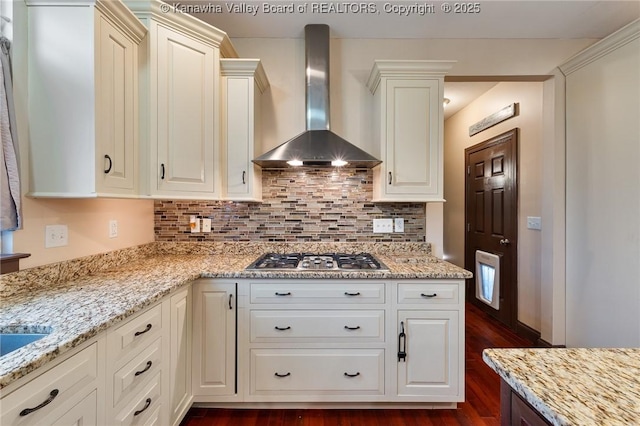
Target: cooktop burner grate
{"x": 318, "y": 262}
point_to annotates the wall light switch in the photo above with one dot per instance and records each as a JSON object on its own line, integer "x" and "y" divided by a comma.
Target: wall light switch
{"x": 398, "y": 224}
{"x": 206, "y": 224}
{"x": 382, "y": 226}
{"x": 534, "y": 222}
{"x": 194, "y": 224}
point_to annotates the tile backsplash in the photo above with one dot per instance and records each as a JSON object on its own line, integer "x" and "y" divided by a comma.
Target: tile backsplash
{"x": 299, "y": 205}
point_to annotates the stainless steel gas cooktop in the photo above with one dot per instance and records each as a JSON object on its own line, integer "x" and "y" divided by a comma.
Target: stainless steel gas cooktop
{"x": 317, "y": 262}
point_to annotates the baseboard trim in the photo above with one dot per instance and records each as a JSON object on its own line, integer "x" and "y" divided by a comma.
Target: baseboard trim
{"x": 523, "y": 330}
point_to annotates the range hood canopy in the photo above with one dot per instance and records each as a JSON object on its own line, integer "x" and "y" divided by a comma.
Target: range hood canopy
{"x": 318, "y": 146}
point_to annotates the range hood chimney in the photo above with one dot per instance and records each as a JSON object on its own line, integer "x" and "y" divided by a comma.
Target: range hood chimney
{"x": 318, "y": 146}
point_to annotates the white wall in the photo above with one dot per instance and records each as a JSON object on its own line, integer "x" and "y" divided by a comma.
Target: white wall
{"x": 529, "y": 96}
{"x": 87, "y": 220}
{"x": 603, "y": 194}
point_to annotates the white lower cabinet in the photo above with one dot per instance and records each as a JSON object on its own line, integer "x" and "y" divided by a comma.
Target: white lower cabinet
{"x": 135, "y": 362}
{"x": 64, "y": 394}
{"x": 304, "y": 374}
{"x": 179, "y": 371}
{"x": 214, "y": 340}
{"x": 329, "y": 341}
{"x": 433, "y": 352}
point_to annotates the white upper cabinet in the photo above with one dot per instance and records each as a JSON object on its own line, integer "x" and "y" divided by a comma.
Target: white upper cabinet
{"x": 408, "y": 109}
{"x": 83, "y": 99}
{"x": 243, "y": 82}
{"x": 179, "y": 102}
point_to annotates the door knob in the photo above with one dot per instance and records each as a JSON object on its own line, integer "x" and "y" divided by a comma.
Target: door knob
{"x": 505, "y": 242}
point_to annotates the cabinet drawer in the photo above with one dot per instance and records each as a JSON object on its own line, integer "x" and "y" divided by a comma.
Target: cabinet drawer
{"x": 134, "y": 335}
{"x": 143, "y": 405}
{"x": 317, "y": 292}
{"x": 317, "y": 326}
{"x": 428, "y": 293}
{"x": 136, "y": 372}
{"x": 59, "y": 385}
{"x": 317, "y": 371}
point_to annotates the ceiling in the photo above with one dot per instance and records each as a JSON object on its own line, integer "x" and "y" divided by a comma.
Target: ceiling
{"x": 519, "y": 19}
{"x": 493, "y": 18}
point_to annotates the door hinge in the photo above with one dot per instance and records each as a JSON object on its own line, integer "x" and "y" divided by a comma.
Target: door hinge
{"x": 468, "y": 227}
{"x": 468, "y": 170}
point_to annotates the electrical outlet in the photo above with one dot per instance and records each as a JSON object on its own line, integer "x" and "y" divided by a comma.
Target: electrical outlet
{"x": 206, "y": 224}
{"x": 56, "y": 236}
{"x": 398, "y": 224}
{"x": 113, "y": 228}
{"x": 194, "y": 224}
{"x": 534, "y": 222}
{"x": 382, "y": 226}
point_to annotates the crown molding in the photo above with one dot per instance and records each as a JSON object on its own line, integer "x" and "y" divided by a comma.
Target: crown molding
{"x": 605, "y": 46}
{"x": 245, "y": 67}
{"x": 169, "y": 16}
{"x": 406, "y": 69}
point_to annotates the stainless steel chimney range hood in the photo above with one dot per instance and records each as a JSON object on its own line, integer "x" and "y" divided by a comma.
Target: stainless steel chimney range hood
{"x": 318, "y": 146}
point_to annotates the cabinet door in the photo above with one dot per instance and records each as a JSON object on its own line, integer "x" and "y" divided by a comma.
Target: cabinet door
{"x": 186, "y": 115}
{"x": 116, "y": 107}
{"x": 433, "y": 355}
{"x": 180, "y": 355}
{"x": 412, "y": 142}
{"x": 241, "y": 126}
{"x": 214, "y": 338}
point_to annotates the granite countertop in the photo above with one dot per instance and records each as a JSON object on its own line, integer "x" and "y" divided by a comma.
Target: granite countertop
{"x": 574, "y": 386}
{"x": 78, "y": 299}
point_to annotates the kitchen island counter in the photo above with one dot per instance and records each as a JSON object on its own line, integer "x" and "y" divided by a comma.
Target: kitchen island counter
{"x": 78, "y": 299}
{"x": 575, "y": 386}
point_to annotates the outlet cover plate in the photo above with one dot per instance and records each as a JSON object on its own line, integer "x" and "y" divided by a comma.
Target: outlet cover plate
{"x": 382, "y": 226}
{"x": 56, "y": 236}
{"x": 113, "y": 228}
{"x": 398, "y": 224}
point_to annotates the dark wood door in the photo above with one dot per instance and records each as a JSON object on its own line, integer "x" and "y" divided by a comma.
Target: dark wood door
{"x": 491, "y": 213}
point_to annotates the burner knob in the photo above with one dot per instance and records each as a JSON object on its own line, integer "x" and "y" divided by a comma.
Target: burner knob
{"x": 317, "y": 261}
{"x": 305, "y": 264}
{"x": 329, "y": 264}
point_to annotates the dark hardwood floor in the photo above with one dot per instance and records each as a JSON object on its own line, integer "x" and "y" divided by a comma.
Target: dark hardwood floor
{"x": 481, "y": 406}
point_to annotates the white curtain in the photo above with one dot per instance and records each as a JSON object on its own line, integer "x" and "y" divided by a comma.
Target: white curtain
{"x": 10, "y": 200}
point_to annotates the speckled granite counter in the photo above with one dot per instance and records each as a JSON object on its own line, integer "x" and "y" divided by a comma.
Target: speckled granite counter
{"x": 78, "y": 299}
{"x": 574, "y": 386}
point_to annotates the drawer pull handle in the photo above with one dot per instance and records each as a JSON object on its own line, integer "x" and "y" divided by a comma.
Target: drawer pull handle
{"x": 283, "y": 375}
{"x": 346, "y": 293}
{"x": 48, "y": 401}
{"x": 402, "y": 344}
{"x": 352, "y": 375}
{"x": 149, "y": 363}
{"x": 283, "y": 328}
{"x": 283, "y": 294}
{"x": 108, "y": 169}
{"x": 147, "y": 328}
{"x": 428, "y": 295}
{"x": 357, "y": 327}
{"x": 147, "y": 403}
